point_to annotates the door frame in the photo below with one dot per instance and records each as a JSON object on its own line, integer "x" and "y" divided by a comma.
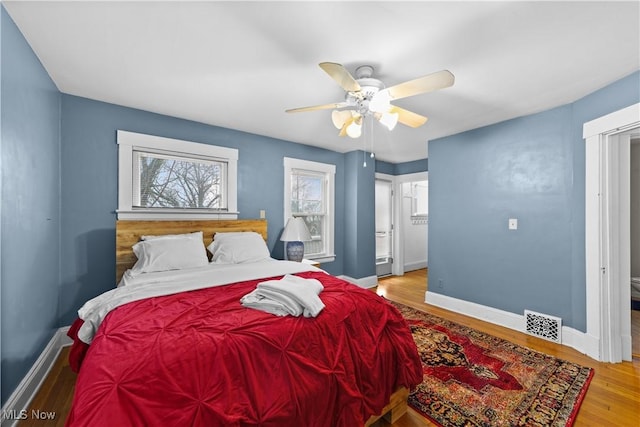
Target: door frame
{"x": 607, "y": 233}
{"x": 399, "y": 216}
{"x": 392, "y": 207}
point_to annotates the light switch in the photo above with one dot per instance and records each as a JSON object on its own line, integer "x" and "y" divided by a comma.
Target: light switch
{"x": 263, "y": 214}
{"x": 513, "y": 223}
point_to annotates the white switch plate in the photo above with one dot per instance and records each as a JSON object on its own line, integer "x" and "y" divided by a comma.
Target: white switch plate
{"x": 513, "y": 223}
{"x": 263, "y": 214}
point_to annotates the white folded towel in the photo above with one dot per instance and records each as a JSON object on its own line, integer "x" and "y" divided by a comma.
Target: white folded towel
{"x": 269, "y": 305}
{"x": 290, "y": 295}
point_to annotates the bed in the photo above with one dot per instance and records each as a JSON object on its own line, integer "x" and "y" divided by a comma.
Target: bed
{"x": 177, "y": 343}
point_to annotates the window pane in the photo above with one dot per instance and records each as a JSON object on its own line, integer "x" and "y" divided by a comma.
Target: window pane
{"x": 307, "y": 201}
{"x": 315, "y": 224}
{"x": 307, "y": 193}
{"x": 174, "y": 182}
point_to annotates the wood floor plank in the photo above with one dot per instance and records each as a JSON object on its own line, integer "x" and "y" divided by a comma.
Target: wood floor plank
{"x": 54, "y": 396}
{"x": 613, "y": 398}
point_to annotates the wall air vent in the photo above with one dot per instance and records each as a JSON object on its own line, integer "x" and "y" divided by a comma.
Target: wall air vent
{"x": 543, "y": 326}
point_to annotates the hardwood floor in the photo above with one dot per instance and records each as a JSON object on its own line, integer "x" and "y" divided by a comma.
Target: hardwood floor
{"x": 54, "y": 396}
{"x": 613, "y": 398}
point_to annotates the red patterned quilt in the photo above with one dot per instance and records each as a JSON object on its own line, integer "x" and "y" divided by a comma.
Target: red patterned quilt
{"x": 200, "y": 358}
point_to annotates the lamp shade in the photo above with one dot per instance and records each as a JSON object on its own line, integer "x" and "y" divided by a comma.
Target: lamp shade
{"x": 354, "y": 130}
{"x": 339, "y": 118}
{"x": 380, "y": 102}
{"x": 295, "y": 231}
{"x": 389, "y": 120}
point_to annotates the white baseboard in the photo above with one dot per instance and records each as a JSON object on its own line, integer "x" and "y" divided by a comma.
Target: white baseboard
{"x": 416, "y": 265}
{"x": 364, "y": 282}
{"x": 18, "y": 403}
{"x": 627, "y": 348}
{"x": 570, "y": 336}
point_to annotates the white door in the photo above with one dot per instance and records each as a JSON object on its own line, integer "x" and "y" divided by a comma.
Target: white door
{"x": 384, "y": 227}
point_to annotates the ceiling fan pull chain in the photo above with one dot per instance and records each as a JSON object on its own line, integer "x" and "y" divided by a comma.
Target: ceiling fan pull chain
{"x": 371, "y": 129}
{"x": 364, "y": 151}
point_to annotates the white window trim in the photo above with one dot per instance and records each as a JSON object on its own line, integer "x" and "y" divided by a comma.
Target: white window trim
{"x": 128, "y": 141}
{"x": 330, "y": 171}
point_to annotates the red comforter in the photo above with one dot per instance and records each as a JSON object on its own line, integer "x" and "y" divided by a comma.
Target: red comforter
{"x": 200, "y": 358}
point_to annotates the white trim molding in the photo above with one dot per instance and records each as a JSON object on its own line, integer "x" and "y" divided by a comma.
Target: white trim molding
{"x": 128, "y": 142}
{"x": 16, "y": 406}
{"x": 398, "y": 268}
{"x": 364, "y": 282}
{"x": 329, "y": 172}
{"x": 570, "y": 336}
{"x": 607, "y": 231}
{"x": 415, "y": 265}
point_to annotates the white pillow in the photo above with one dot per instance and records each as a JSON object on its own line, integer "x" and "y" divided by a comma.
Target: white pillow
{"x": 169, "y": 254}
{"x": 237, "y": 235}
{"x": 238, "y": 247}
{"x": 195, "y": 235}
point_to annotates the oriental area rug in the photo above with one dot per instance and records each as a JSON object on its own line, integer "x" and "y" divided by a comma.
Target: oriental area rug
{"x": 474, "y": 379}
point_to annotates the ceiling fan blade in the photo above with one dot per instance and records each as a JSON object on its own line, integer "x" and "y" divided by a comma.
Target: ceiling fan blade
{"x": 341, "y": 76}
{"x": 317, "y": 107}
{"x": 428, "y": 83}
{"x": 408, "y": 118}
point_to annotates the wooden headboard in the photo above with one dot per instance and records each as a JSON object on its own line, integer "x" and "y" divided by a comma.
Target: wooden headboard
{"x": 128, "y": 233}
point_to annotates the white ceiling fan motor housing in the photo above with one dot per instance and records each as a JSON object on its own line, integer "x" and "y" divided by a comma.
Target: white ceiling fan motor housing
{"x": 368, "y": 88}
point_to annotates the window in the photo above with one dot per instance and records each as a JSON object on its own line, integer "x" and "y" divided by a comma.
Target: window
{"x": 163, "y": 178}
{"x": 309, "y": 194}
{"x": 170, "y": 181}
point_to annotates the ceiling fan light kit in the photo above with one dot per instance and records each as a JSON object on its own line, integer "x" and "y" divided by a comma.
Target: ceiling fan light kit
{"x": 367, "y": 97}
{"x": 390, "y": 120}
{"x": 340, "y": 117}
{"x": 354, "y": 130}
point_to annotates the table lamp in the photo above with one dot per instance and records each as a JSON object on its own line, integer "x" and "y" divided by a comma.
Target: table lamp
{"x": 295, "y": 233}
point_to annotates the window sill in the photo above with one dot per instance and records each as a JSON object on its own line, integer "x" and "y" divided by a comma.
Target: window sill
{"x": 322, "y": 258}
{"x": 174, "y": 214}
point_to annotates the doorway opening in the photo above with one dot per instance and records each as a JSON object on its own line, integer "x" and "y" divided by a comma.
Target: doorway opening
{"x": 401, "y": 221}
{"x": 607, "y": 233}
{"x": 384, "y": 227}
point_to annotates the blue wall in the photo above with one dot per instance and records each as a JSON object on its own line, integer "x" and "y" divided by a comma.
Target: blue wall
{"x": 530, "y": 168}
{"x": 30, "y": 210}
{"x": 359, "y": 216}
{"x": 89, "y": 187}
{"x": 405, "y": 168}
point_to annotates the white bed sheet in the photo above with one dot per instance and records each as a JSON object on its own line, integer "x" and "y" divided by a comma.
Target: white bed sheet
{"x": 147, "y": 285}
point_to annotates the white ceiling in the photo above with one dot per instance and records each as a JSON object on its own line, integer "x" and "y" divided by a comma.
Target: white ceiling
{"x": 241, "y": 64}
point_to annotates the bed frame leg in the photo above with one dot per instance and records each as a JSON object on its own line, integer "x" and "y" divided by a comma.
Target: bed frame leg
{"x": 396, "y": 413}
{"x": 396, "y": 408}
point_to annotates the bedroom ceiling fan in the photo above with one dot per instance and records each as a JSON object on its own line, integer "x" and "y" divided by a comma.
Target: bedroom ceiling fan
{"x": 367, "y": 96}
